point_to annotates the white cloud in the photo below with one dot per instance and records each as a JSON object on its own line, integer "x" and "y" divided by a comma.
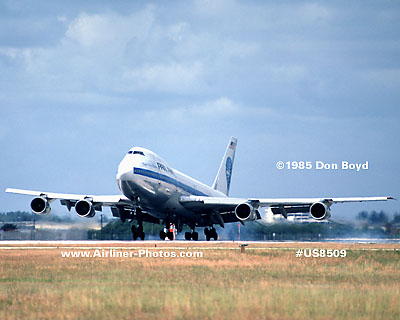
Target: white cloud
{"x": 137, "y": 51}
{"x": 171, "y": 77}
{"x": 11, "y": 53}
{"x": 177, "y": 31}
{"x": 212, "y": 110}
{"x": 215, "y": 109}
{"x": 152, "y": 49}
{"x": 62, "y": 19}
{"x": 89, "y": 30}
{"x": 109, "y": 29}
{"x": 314, "y": 12}
{"x": 222, "y": 108}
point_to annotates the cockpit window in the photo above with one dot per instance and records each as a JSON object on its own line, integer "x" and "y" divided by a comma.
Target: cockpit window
{"x": 136, "y": 152}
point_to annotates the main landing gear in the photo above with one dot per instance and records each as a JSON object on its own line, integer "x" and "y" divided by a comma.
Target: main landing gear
{"x": 137, "y": 232}
{"x": 211, "y": 233}
{"x": 169, "y": 234}
{"x": 192, "y": 235}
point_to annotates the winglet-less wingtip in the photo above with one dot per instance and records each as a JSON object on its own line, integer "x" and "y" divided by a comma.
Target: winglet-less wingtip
{"x": 391, "y": 198}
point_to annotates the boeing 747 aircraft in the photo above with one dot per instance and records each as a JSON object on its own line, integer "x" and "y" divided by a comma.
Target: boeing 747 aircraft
{"x": 154, "y": 192}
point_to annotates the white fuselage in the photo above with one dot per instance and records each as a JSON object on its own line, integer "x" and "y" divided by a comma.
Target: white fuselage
{"x": 146, "y": 178}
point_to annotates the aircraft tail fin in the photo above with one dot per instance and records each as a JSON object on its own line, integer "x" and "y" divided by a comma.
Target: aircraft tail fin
{"x": 223, "y": 179}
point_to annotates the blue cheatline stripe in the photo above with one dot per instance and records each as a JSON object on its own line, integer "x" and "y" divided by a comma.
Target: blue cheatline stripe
{"x": 162, "y": 177}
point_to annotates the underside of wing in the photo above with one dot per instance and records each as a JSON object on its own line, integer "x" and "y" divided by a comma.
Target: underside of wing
{"x": 241, "y": 209}
{"x": 226, "y": 202}
{"x": 221, "y": 210}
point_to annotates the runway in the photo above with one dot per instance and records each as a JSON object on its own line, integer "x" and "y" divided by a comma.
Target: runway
{"x": 350, "y": 244}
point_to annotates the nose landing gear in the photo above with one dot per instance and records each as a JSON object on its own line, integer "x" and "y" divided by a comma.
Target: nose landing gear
{"x": 168, "y": 234}
{"x": 169, "y": 231}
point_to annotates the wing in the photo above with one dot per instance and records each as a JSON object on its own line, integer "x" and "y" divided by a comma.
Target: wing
{"x": 266, "y": 202}
{"x": 120, "y": 205}
{"x": 227, "y": 206}
{"x": 73, "y": 198}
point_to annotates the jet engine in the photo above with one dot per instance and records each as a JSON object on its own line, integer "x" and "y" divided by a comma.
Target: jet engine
{"x": 245, "y": 212}
{"x": 319, "y": 211}
{"x": 40, "y": 205}
{"x": 85, "y": 208}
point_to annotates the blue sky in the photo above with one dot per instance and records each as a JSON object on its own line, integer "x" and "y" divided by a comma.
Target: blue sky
{"x": 82, "y": 83}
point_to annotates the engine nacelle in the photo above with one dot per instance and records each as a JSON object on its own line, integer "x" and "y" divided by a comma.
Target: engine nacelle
{"x": 245, "y": 212}
{"x": 319, "y": 211}
{"x": 85, "y": 208}
{"x": 40, "y": 205}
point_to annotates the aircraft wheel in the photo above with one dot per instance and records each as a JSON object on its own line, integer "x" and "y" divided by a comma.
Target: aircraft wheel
{"x": 213, "y": 234}
{"x": 142, "y": 234}
{"x": 170, "y": 235}
{"x": 162, "y": 235}
{"x": 188, "y": 236}
{"x": 195, "y": 236}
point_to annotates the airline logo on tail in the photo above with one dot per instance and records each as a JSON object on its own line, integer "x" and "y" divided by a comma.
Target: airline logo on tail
{"x": 228, "y": 171}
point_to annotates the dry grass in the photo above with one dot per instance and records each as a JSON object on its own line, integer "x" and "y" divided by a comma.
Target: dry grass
{"x": 264, "y": 283}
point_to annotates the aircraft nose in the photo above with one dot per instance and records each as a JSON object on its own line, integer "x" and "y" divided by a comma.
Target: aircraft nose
{"x": 124, "y": 167}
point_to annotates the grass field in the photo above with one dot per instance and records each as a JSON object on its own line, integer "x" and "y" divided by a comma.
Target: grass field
{"x": 265, "y": 282}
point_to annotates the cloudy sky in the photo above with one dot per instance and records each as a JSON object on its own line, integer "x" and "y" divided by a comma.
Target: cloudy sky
{"x": 81, "y": 84}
